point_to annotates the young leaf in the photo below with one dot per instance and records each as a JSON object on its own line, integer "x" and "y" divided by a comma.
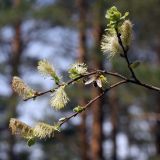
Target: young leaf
{"x": 31, "y": 142}
{"x": 57, "y": 127}
{"x": 135, "y": 64}
{"x": 77, "y": 70}
{"x": 46, "y": 69}
{"x": 78, "y": 109}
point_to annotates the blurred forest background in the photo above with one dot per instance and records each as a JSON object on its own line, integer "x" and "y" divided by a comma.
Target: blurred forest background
{"x": 125, "y": 124}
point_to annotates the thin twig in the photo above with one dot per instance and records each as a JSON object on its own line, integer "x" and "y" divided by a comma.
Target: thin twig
{"x": 67, "y": 83}
{"x": 40, "y": 94}
{"x": 92, "y": 101}
{"x": 135, "y": 81}
{"x": 74, "y": 80}
{"x": 144, "y": 85}
{"x": 125, "y": 54}
{"x": 113, "y": 74}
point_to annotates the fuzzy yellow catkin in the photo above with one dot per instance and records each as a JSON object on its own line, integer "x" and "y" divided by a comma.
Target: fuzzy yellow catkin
{"x": 21, "y": 88}
{"x": 126, "y": 33}
{"x": 59, "y": 98}
{"x": 80, "y": 68}
{"x": 45, "y": 68}
{"x": 20, "y": 128}
{"x": 110, "y": 45}
{"x": 43, "y": 130}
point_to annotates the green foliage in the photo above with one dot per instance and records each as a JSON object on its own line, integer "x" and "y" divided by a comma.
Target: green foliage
{"x": 57, "y": 127}
{"x": 77, "y": 69}
{"x": 46, "y": 69}
{"x": 78, "y": 109}
{"x": 119, "y": 33}
{"x": 115, "y": 18}
{"x": 56, "y": 79}
{"x": 31, "y": 142}
{"x": 135, "y": 64}
{"x": 10, "y": 14}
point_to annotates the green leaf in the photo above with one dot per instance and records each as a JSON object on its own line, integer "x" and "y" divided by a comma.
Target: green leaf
{"x": 77, "y": 69}
{"x": 57, "y": 127}
{"x": 125, "y": 15}
{"x": 115, "y": 18}
{"x": 55, "y": 78}
{"x": 31, "y": 142}
{"x": 78, "y": 109}
{"x": 135, "y": 64}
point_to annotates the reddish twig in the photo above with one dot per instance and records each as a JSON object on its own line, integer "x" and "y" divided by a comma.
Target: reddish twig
{"x": 76, "y": 79}
{"x": 92, "y": 101}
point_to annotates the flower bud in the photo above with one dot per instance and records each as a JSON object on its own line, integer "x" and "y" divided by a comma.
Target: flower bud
{"x": 21, "y": 88}
{"x": 126, "y": 33}
{"x": 43, "y": 130}
{"x": 20, "y": 128}
{"x": 110, "y": 45}
{"x": 59, "y": 98}
{"x": 46, "y": 69}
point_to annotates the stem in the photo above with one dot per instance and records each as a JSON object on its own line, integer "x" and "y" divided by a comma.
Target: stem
{"x": 92, "y": 101}
{"x": 125, "y": 51}
{"x": 67, "y": 83}
{"x": 135, "y": 81}
{"x": 151, "y": 87}
{"x": 76, "y": 79}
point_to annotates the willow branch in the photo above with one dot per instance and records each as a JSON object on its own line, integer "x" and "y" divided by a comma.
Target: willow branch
{"x": 125, "y": 51}
{"x": 76, "y": 79}
{"x": 103, "y": 93}
{"x": 67, "y": 83}
{"x": 92, "y": 101}
{"x": 148, "y": 86}
{"x": 114, "y": 74}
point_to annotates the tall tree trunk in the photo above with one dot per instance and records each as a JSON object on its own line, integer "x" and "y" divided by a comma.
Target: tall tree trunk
{"x": 114, "y": 115}
{"x": 82, "y": 8}
{"x": 97, "y": 137}
{"x": 15, "y": 62}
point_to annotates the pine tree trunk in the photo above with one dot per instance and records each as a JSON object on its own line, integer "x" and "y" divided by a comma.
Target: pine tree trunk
{"x": 97, "y": 137}
{"x": 15, "y": 62}
{"x": 81, "y": 4}
{"x": 114, "y": 115}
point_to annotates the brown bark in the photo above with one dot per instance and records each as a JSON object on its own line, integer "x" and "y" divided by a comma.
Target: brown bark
{"x": 15, "y": 62}
{"x": 81, "y": 4}
{"x": 83, "y": 137}
{"x": 114, "y": 115}
{"x": 82, "y": 8}
{"x": 97, "y": 137}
